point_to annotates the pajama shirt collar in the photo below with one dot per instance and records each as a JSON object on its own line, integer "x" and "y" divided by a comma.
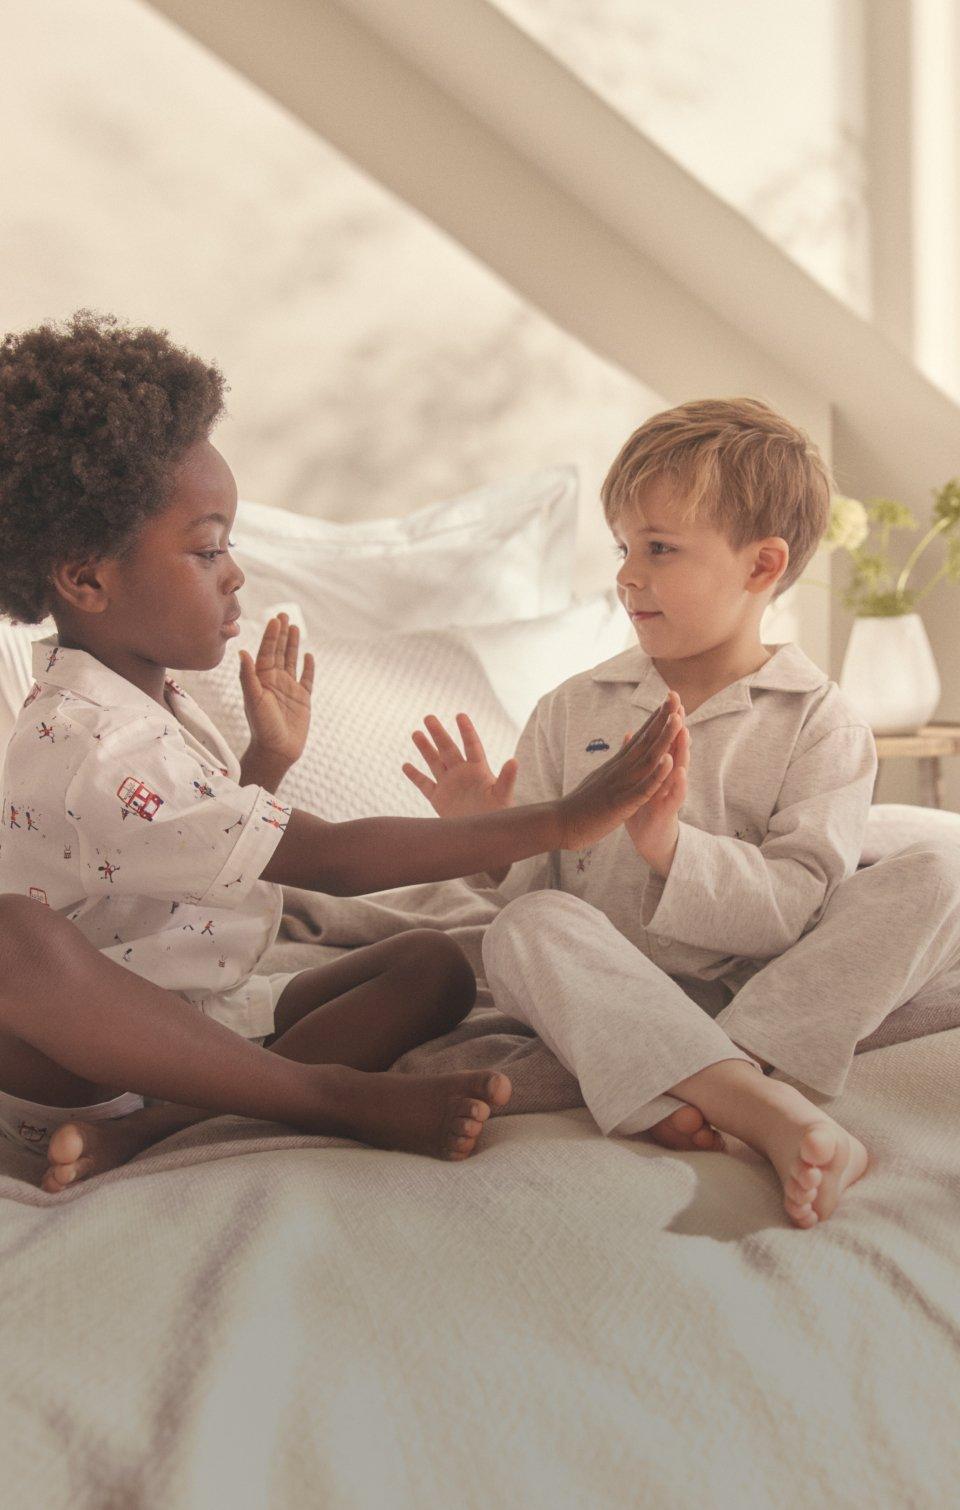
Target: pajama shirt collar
{"x": 787, "y": 670}
{"x": 79, "y": 672}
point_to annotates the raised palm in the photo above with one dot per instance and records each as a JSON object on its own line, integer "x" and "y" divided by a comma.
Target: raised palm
{"x": 463, "y": 783}
{"x": 277, "y": 704}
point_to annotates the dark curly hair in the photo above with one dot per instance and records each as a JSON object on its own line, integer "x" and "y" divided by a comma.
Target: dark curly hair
{"x": 94, "y": 418}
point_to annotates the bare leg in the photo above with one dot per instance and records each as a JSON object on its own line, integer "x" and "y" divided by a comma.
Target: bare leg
{"x": 363, "y": 1010}
{"x": 814, "y": 1156}
{"x": 107, "y": 1029}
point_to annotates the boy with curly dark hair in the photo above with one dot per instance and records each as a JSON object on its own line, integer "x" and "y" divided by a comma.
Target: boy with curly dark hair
{"x": 156, "y": 856}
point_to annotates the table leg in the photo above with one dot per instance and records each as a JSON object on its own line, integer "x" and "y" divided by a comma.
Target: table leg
{"x": 931, "y": 781}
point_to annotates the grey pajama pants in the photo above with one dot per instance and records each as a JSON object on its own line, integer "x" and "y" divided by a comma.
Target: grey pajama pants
{"x": 888, "y": 938}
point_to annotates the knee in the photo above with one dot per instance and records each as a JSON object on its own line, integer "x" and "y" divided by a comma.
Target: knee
{"x": 933, "y": 868}
{"x": 27, "y": 929}
{"x": 438, "y": 964}
{"x": 525, "y": 915}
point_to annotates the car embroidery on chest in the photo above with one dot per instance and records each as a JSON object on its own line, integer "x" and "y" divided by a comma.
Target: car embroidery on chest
{"x": 136, "y": 797}
{"x": 596, "y": 745}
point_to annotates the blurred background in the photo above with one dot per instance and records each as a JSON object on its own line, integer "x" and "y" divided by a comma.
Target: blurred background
{"x": 391, "y": 336}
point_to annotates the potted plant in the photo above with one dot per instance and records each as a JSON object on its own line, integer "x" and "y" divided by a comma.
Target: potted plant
{"x": 888, "y": 670}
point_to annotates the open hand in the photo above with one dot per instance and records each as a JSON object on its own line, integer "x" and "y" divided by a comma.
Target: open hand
{"x": 463, "y": 784}
{"x": 615, "y": 790}
{"x": 277, "y": 705}
{"x": 654, "y": 827}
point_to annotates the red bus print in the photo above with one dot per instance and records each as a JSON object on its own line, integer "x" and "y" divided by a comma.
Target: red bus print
{"x": 138, "y": 798}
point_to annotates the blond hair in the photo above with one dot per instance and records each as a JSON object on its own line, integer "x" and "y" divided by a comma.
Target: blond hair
{"x": 736, "y": 464}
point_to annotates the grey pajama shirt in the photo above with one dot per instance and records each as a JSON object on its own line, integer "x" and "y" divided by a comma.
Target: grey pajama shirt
{"x": 763, "y": 934}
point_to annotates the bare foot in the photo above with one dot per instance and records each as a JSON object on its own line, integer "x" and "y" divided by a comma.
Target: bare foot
{"x": 441, "y": 1115}
{"x": 687, "y": 1131}
{"x": 816, "y": 1158}
{"x": 79, "y": 1150}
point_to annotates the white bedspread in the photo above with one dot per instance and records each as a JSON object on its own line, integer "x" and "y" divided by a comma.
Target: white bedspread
{"x": 245, "y": 1317}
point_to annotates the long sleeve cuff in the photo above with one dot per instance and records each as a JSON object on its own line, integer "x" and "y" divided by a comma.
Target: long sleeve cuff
{"x": 726, "y": 895}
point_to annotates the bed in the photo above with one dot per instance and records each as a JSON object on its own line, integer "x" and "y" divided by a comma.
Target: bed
{"x": 246, "y": 1317}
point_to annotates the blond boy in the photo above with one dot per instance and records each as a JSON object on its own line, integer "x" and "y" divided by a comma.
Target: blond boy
{"x": 724, "y": 928}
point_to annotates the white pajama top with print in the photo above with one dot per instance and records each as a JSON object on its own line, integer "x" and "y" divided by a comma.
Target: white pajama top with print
{"x": 778, "y": 793}
{"x": 128, "y": 818}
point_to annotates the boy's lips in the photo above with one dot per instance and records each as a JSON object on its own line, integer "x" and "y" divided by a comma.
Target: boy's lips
{"x": 640, "y": 615}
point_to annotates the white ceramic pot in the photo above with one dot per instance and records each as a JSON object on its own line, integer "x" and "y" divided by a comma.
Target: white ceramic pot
{"x": 889, "y": 673}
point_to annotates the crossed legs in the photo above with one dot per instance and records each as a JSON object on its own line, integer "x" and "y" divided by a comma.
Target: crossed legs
{"x": 76, "y": 1028}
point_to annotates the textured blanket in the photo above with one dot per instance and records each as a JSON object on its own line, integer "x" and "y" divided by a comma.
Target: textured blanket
{"x": 244, "y": 1316}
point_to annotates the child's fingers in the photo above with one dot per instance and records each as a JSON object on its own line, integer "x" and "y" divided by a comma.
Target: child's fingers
{"x": 430, "y": 755}
{"x": 249, "y": 681}
{"x": 420, "y": 781}
{"x": 280, "y": 644}
{"x": 506, "y": 781}
{"x": 267, "y": 654}
{"x": 472, "y": 747}
{"x": 292, "y": 649}
{"x": 448, "y": 748}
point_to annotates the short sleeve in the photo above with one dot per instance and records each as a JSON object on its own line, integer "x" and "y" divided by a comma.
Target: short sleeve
{"x": 154, "y": 819}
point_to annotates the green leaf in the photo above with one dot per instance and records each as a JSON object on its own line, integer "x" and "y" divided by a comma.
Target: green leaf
{"x": 891, "y": 512}
{"x": 947, "y": 504}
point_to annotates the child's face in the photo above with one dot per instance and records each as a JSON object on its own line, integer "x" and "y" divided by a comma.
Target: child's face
{"x": 686, "y": 576}
{"x": 173, "y": 601}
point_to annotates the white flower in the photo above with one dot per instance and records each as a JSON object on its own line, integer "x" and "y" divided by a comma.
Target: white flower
{"x": 849, "y": 525}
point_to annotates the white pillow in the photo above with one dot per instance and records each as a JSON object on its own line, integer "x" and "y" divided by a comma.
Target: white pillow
{"x": 16, "y": 669}
{"x": 500, "y": 552}
{"x": 892, "y": 826}
{"x": 370, "y": 694}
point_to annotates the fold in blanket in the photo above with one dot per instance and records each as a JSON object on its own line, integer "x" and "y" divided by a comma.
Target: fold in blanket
{"x": 317, "y": 928}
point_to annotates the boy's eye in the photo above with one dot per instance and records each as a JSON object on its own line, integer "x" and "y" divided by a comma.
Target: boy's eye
{"x": 657, "y": 548}
{"x": 212, "y": 555}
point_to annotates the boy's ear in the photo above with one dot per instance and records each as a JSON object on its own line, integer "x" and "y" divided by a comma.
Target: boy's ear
{"x": 771, "y": 557}
{"x": 80, "y": 584}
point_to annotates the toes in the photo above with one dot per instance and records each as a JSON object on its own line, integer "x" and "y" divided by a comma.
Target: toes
{"x": 460, "y": 1148}
{"x": 798, "y": 1194}
{"x": 688, "y": 1119}
{"x": 818, "y": 1144}
{"x": 807, "y": 1176}
{"x": 708, "y": 1138}
{"x": 497, "y": 1089}
{"x": 66, "y": 1144}
{"x": 801, "y": 1216}
{"x": 470, "y": 1127}
{"x": 476, "y": 1111}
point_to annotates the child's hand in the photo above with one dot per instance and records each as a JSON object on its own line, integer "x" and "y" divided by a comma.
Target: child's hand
{"x": 614, "y": 791}
{"x": 463, "y": 785}
{"x": 654, "y": 828}
{"x": 276, "y": 704}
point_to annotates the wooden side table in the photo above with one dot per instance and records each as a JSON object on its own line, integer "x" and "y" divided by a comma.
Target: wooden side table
{"x": 928, "y": 745}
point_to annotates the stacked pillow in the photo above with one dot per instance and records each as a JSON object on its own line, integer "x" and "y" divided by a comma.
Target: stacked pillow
{"x": 465, "y": 605}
